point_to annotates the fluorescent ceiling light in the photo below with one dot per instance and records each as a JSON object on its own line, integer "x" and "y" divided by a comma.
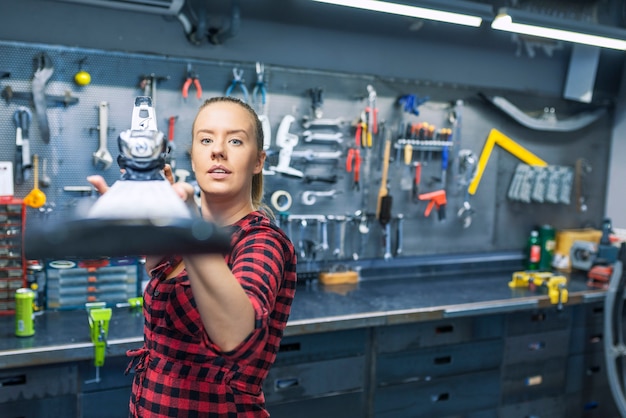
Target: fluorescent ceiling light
{"x": 411, "y": 11}
{"x": 508, "y": 21}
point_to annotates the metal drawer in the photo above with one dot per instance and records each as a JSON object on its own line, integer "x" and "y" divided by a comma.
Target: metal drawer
{"x": 38, "y": 382}
{"x": 322, "y": 346}
{"x": 340, "y": 406}
{"x": 538, "y": 320}
{"x": 529, "y": 381}
{"x": 105, "y": 403}
{"x": 536, "y": 347}
{"x": 539, "y": 408}
{"x": 309, "y": 380}
{"x": 587, "y": 328}
{"x": 440, "y": 397}
{"x": 586, "y": 371}
{"x": 597, "y": 403}
{"x": 407, "y": 366}
{"x": 440, "y": 332}
{"x": 60, "y": 406}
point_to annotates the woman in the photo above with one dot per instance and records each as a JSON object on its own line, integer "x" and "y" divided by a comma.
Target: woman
{"x": 213, "y": 323}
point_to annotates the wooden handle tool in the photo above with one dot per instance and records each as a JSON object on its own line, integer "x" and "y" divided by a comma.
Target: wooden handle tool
{"x": 383, "y": 191}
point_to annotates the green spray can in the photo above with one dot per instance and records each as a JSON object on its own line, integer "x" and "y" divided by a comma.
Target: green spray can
{"x": 24, "y": 326}
{"x": 548, "y": 244}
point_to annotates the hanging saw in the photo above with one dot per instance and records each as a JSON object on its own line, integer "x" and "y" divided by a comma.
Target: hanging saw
{"x": 543, "y": 123}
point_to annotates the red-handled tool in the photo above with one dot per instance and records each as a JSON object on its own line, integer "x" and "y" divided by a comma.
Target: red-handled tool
{"x": 416, "y": 182}
{"x": 354, "y": 155}
{"x": 192, "y": 78}
{"x": 170, "y": 139}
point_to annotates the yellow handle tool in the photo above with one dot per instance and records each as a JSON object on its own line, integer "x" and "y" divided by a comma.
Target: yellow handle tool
{"x": 497, "y": 137}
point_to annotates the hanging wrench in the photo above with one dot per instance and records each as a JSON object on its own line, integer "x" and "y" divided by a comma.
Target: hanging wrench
{"x": 323, "y": 122}
{"x": 310, "y": 136}
{"x": 102, "y": 155}
{"x": 43, "y": 72}
{"x": 311, "y": 155}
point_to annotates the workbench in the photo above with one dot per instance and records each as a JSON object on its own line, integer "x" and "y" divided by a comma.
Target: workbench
{"x": 337, "y": 339}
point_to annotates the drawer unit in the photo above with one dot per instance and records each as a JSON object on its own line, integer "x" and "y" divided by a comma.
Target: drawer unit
{"x": 536, "y": 347}
{"x": 72, "y": 283}
{"x": 538, "y": 320}
{"x": 539, "y": 408}
{"x": 12, "y": 262}
{"x": 315, "y": 379}
{"x": 427, "y": 363}
{"x": 449, "y": 396}
{"x": 437, "y": 333}
{"x": 531, "y": 381}
{"x": 38, "y": 383}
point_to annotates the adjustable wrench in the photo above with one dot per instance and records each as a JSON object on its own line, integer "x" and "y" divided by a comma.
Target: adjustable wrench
{"x": 43, "y": 72}
{"x": 102, "y": 155}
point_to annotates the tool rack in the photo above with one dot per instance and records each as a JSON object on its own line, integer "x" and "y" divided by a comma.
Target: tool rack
{"x": 12, "y": 262}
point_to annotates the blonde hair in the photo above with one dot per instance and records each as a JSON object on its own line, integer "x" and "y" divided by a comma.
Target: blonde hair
{"x": 257, "y": 179}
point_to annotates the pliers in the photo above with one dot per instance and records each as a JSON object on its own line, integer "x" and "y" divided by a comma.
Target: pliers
{"x": 259, "y": 87}
{"x": 238, "y": 81}
{"x": 192, "y": 77}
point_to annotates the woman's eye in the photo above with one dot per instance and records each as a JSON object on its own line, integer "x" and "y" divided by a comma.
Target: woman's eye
{"x": 236, "y": 141}
{"x": 206, "y": 141}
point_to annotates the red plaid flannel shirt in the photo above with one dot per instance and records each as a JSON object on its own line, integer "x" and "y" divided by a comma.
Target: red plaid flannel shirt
{"x": 180, "y": 372}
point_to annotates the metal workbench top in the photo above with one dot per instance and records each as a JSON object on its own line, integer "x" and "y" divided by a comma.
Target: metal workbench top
{"x": 63, "y": 336}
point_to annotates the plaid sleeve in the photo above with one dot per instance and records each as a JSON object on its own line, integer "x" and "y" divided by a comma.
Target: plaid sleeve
{"x": 257, "y": 262}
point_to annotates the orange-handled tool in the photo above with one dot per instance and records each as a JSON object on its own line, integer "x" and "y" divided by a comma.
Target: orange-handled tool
{"x": 436, "y": 198}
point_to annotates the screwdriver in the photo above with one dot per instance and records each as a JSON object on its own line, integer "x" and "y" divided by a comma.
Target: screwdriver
{"x": 444, "y": 156}
{"x": 444, "y": 165}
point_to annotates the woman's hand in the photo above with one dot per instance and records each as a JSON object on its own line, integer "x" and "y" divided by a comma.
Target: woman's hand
{"x": 99, "y": 183}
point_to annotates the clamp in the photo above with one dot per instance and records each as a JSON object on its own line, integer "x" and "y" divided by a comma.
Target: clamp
{"x": 259, "y": 88}
{"x": 99, "y": 318}
{"x": 238, "y": 82}
{"x": 556, "y": 285}
{"x": 192, "y": 78}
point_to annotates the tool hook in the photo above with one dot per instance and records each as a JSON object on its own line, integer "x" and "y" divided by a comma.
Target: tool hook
{"x": 238, "y": 82}
{"x": 259, "y": 87}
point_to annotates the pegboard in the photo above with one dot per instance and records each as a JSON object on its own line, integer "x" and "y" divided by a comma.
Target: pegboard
{"x": 496, "y": 223}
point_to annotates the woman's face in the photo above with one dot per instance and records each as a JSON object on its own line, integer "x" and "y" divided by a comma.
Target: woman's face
{"x": 224, "y": 153}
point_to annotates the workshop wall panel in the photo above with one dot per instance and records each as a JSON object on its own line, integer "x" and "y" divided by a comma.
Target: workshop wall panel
{"x": 333, "y": 233}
